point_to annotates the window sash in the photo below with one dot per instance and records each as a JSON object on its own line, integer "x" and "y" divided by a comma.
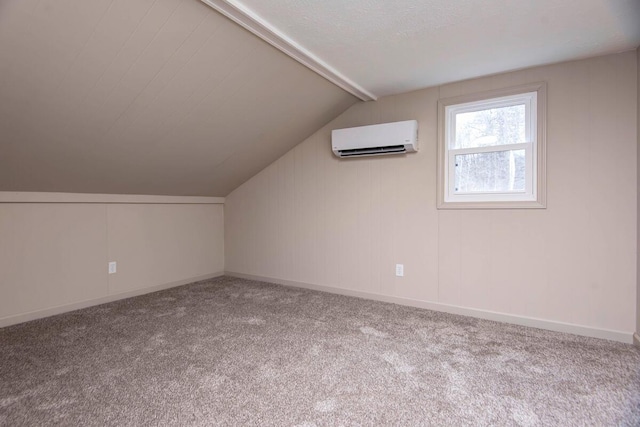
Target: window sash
{"x": 529, "y": 100}
{"x": 528, "y": 193}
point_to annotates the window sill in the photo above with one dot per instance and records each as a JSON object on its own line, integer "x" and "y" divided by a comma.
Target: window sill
{"x": 533, "y": 204}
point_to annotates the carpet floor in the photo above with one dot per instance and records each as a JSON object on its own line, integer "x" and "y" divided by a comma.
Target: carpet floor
{"x": 229, "y": 351}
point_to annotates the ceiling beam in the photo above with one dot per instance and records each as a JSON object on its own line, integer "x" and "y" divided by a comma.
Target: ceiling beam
{"x": 267, "y": 32}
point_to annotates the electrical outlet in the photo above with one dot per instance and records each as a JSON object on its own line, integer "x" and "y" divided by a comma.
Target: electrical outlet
{"x": 112, "y": 267}
{"x": 399, "y": 270}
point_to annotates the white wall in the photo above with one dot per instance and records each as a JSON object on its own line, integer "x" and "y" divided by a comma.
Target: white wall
{"x": 53, "y": 256}
{"x": 313, "y": 220}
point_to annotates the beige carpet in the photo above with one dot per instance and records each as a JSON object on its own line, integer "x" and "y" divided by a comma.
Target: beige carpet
{"x": 235, "y": 352}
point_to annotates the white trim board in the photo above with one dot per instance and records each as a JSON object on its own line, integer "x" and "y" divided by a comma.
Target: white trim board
{"x": 36, "y": 197}
{"x": 621, "y": 336}
{"x": 267, "y": 32}
{"x": 52, "y": 311}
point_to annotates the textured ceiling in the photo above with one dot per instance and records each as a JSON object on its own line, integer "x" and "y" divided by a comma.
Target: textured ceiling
{"x": 390, "y": 47}
{"x": 146, "y": 97}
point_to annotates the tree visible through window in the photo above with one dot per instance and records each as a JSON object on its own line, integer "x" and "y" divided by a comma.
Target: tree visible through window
{"x": 493, "y": 171}
{"x": 490, "y": 149}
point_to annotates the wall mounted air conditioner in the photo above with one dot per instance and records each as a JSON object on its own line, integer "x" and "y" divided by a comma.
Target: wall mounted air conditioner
{"x": 376, "y": 140}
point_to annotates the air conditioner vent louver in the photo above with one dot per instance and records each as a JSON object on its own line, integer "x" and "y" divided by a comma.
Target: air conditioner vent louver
{"x": 391, "y": 149}
{"x": 376, "y": 140}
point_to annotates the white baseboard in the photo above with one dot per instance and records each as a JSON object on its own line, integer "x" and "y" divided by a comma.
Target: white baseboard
{"x": 636, "y": 339}
{"x": 621, "y": 336}
{"x": 51, "y": 311}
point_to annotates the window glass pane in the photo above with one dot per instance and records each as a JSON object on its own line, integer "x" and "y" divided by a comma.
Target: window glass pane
{"x": 501, "y": 171}
{"x": 495, "y": 126}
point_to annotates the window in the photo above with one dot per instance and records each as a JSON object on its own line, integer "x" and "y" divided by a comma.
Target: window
{"x": 491, "y": 149}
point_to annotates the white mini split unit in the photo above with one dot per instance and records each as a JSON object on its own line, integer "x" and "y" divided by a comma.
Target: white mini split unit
{"x": 376, "y": 140}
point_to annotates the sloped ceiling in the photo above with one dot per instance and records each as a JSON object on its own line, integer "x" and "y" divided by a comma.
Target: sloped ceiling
{"x": 170, "y": 97}
{"x": 146, "y": 97}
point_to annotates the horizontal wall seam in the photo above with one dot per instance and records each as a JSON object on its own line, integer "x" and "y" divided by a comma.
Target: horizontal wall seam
{"x": 82, "y": 198}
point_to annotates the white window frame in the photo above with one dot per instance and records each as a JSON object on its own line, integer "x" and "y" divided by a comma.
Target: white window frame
{"x": 533, "y": 96}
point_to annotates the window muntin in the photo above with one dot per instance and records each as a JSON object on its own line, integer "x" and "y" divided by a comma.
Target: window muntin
{"x": 490, "y": 150}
